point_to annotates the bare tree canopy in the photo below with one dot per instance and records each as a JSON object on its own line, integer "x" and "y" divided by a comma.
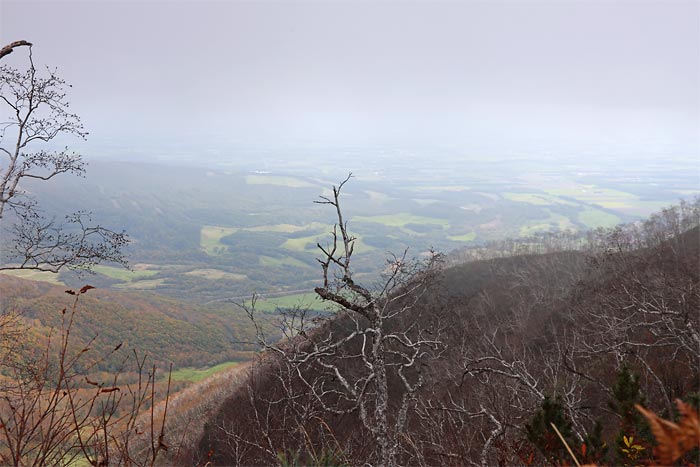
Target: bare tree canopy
{"x": 477, "y": 369}
{"x": 35, "y": 111}
{"x": 347, "y": 363}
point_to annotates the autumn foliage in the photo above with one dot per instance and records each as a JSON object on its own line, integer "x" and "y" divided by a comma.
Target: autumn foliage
{"x": 674, "y": 439}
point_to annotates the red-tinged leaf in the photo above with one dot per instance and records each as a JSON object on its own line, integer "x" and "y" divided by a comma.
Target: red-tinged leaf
{"x": 70, "y": 292}
{"x": 689, "y": 425}
{"x": 109, "y": 389}
{"x": 667, "y": 434}
{"x": 94, "y": 383}
{"x": 583, "y": 449}
{"x": 86, "y": 288}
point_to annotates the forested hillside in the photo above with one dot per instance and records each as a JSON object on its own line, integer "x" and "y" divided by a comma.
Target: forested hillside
{"x": 572, "y": 338}
{"x": 183, "y": 334}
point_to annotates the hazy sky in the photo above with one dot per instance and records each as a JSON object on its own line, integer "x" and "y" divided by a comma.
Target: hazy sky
{"x": 367, "y": 72}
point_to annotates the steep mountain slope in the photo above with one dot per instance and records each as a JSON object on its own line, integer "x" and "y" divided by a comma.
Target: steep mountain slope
{"x": 516, "y": 331}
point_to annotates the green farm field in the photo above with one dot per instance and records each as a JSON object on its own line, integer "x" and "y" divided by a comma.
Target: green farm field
{"x": 211, "y": 235}
{"x": 123, "y": 274}
{"x": 282, "y": 262}
{"x": 402, "y": 219}
{"x": 469, "y": 237}
{"x": 309, "y": 244}
{"x": 148, "y": 284}
{"x": 42, "y": 276}
{"x": 552, "y": 223}
{"x": 195, "y": 375}
{"x": 216, "y": 274}
{"x": 540, "y": 199}
{"x": 592, "y": 218}
{"x": 289, "y": 182}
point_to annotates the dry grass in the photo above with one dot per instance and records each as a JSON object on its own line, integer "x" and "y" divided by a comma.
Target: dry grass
{"x": 191, "y": 408}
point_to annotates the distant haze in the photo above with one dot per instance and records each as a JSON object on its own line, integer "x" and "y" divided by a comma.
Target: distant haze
{"x": 500, "y": 74}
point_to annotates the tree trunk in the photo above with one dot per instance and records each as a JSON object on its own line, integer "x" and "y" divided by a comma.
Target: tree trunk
{"x": 382, "y": 407}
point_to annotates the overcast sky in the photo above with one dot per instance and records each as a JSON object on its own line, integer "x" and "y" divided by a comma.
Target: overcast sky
{"x": 373, "y": 72}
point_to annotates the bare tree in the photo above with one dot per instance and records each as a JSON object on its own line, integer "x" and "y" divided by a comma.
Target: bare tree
{"x": 370, "y": 353}
{"x": 36, "y": 112}
{"x": 53, "y": 413}
{"x": 646, "y": 316}
{"x": 635, "y": 303}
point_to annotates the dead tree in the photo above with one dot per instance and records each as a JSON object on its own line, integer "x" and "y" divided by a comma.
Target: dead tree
{"x": 34, "y": 111}
{"x": 53, "y": 412}
{"x": 645, "y": 314}
{"x": 9, "y": 48}
{"x": 366, "y": 358}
